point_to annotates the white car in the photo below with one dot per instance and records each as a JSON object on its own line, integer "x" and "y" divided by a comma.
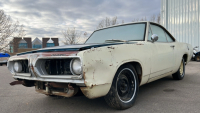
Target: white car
{"x": 113, "y": 63}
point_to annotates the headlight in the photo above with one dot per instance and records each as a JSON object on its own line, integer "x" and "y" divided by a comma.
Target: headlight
{"x": 76, "y": 66}
{"x": 17, "y": 67}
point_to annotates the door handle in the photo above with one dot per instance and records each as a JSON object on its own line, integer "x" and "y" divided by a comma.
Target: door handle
{"x": 172, "y": 46}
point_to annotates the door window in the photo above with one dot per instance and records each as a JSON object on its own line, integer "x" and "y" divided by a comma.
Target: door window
{"x": 169, "y": 38}
{"x": 160, "y": 32}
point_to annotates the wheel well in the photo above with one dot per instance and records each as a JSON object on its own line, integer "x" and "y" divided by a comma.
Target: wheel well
{"x": 138, "y": 69}
{"x": 185, "y": 57}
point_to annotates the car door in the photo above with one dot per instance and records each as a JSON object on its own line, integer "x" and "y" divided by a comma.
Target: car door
{"x": 162, "y": 60}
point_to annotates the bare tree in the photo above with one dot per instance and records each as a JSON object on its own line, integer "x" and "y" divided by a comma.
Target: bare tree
{"x": 135, "y": 20}
{"x": 155, "y": 18}
{"x": 72, "y": 36}
{"x": 107, "y": 22}
{"x": 7, "y": 28}
{"x": 20, "y": 32}
{"x": 158, "y": 18}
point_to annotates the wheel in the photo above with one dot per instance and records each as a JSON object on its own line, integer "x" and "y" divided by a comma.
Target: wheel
{"x": 197, "y": 58}
{"x": 179, "y": 75}
{"x": 124, "y": 89}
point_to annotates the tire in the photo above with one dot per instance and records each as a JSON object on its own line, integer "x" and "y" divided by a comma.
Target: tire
{"x": 179, "y": 75}
{"x": 124, "y": 89}
{"x": 197, "y": 58}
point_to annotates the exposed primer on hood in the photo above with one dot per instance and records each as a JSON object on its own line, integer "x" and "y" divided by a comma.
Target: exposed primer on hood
{"x": 78, "y": 47}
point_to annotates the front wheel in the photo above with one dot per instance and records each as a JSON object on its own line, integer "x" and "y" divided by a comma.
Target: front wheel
{"x": 179, "y": 75}
{"x": 124, "y": 89}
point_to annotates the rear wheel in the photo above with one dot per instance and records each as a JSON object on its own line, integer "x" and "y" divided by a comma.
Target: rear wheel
{"x": 124, "y": 89}
{"x": 179, "y": 75}
{"x": 197, "y": 58}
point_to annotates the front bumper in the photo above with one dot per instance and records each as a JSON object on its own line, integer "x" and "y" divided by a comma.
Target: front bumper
{"x": 77, "y": 82}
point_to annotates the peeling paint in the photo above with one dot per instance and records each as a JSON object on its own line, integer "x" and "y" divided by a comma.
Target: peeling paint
{"x": 95, "y": 90}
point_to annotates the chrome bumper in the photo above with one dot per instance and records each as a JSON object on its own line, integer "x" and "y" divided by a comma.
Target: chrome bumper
{"x": 77, "y": 82}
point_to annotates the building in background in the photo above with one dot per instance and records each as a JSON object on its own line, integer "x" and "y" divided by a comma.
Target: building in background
{"x": 50, "y": 43}
{"x": 182, "y": 19}
{"x": 20, "y": 44}
{"x": 37, "y": 43}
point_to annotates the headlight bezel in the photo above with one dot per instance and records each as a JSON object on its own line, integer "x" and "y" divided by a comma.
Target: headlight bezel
{"x": 72, "y": 69}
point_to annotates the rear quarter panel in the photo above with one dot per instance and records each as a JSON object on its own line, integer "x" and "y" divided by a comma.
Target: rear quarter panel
{"x": 180, "y": 50}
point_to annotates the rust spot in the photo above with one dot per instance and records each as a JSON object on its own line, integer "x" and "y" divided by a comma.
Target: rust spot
{"x": 111, "y": 47}
{"x": 84, "y": 75}
{"x": 87, "y": 92}
{"x": 92, "y": 85}
{"x": 57, "y": 85}
{"x": 111, "y": 65}
{"x": 32, "y": 68}
{"x": 16, "y": 82}
{"x": 70, "y": 87}
{"x": 70, "y": 93}
{"x": 84, "y": 78}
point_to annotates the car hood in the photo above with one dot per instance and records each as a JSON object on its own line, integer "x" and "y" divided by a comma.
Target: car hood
{"x": 77, "y": 47}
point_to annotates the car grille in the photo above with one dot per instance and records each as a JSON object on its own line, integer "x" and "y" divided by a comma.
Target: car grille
{"x": 58, "y": 66}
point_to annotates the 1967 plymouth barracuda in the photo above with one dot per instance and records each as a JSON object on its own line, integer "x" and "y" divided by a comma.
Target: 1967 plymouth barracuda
{"x": 113, "y": 63}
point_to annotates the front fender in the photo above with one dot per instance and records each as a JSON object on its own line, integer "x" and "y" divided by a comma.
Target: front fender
{"x": 100, "y": 65}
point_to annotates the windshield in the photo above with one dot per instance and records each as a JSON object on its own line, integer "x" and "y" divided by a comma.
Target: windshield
{"x": 133, "y": 32}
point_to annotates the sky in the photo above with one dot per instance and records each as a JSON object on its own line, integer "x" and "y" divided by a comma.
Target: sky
{"x": 48, "y": 18}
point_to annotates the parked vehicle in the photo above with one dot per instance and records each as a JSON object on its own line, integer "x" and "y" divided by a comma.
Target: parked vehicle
{"x": 4, "y": 58}
{"x": 196, "y": 54}
{"x": 113, "y": 63}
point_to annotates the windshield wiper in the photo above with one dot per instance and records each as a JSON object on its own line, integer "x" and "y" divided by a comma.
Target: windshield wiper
{"x": 115, "y": 40}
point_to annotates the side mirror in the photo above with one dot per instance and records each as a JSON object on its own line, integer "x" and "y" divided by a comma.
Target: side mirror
{"x": 154, "y": 37}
